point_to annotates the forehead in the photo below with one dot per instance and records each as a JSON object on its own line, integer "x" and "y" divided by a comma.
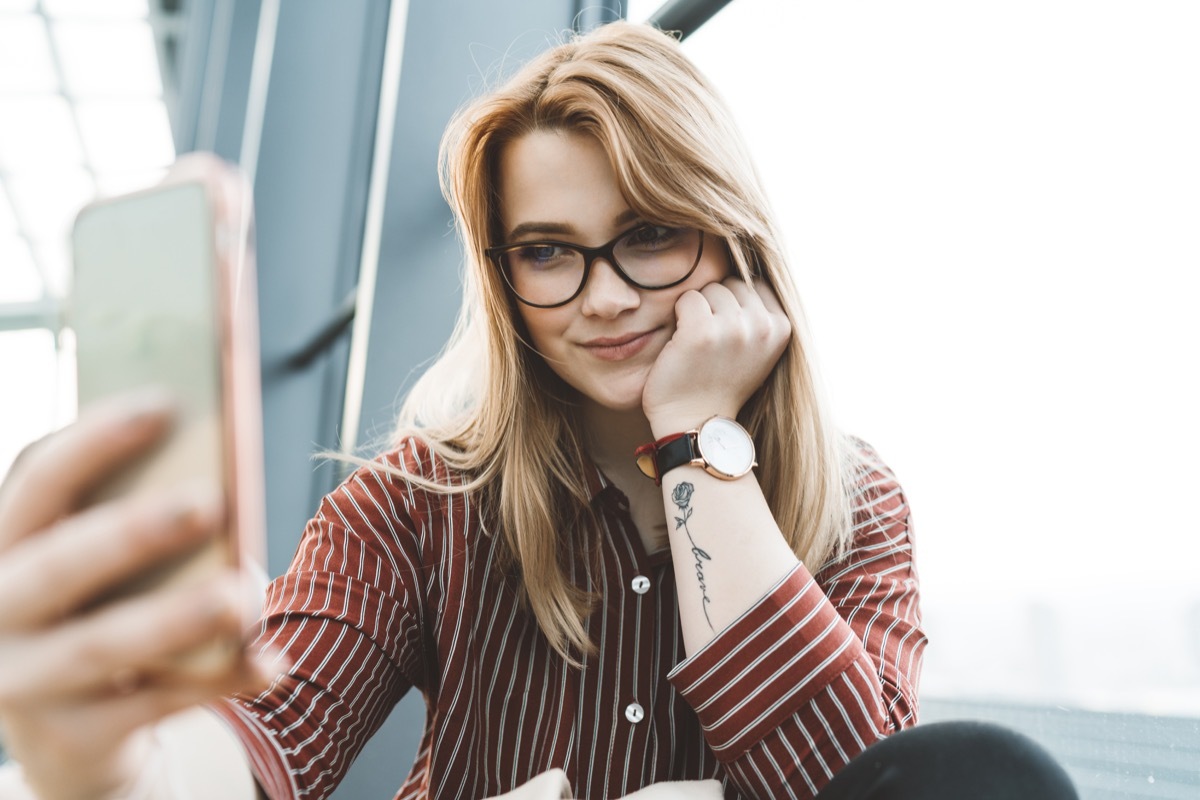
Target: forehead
{"x": 560, "y": 178}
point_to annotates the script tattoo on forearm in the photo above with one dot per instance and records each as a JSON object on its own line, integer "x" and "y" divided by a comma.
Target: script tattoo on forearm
{"x": 682, "y": 497}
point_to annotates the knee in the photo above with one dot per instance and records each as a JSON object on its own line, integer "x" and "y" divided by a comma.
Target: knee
{"x": 957, "y": 759}
{"x": 998, "y": 762}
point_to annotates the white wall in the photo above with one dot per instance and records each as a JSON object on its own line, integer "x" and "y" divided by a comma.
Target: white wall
{"x": 993, "y": 212}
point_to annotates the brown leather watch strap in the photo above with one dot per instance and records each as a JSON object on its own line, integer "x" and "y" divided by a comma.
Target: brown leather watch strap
{"x": 656, "y": 458}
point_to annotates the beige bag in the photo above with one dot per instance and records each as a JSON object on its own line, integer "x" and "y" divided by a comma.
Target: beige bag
{"x": 553, "y": 785}
{"x": 550, "y": 785}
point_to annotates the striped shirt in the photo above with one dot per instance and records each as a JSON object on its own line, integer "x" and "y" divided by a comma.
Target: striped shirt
{"x": 394, "y": 588}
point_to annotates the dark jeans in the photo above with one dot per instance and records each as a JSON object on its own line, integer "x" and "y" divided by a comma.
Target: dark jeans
{"x": 959, "y": 760}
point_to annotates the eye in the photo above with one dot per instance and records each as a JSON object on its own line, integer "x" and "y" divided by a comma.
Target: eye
{"x": 540, "y": 255}
{"x": 652, "y": 237}
{"x": 540, "y": 252}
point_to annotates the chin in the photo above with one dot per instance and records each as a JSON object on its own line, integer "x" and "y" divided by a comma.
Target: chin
{"x": 614, "y": 398}
{"x": 622, "y": 404}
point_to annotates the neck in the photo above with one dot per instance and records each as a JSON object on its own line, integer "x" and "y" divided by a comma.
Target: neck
{"x": 612, "y": 436}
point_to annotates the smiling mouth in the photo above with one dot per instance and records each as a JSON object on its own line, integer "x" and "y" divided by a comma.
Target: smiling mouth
{"x": 618, "y": 348}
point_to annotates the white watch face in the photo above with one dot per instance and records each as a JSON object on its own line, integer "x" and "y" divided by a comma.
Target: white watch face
{"x": 726, "y": 446}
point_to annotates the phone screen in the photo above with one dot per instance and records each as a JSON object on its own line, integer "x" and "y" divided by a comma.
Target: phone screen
{"x": 145, "y": 312}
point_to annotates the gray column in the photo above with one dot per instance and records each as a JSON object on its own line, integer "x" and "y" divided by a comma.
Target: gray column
{"x": 311, "y": 166}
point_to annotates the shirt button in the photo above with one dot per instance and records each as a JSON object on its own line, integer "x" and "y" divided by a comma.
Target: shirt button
{"x": 641, "y": 584}
{"x": 634, "y": 713}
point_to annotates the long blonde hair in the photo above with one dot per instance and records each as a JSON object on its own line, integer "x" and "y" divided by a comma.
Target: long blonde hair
{"x": 492, "y": 410}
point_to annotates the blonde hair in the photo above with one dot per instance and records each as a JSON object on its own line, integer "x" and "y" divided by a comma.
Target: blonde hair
{"x": 492, "y": 410}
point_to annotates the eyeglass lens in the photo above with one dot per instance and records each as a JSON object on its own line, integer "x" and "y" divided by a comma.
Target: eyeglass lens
{"x": 652, "y": 256}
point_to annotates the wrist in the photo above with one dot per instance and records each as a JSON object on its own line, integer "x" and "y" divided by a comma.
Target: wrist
{"x": 677, "y": 419}
{"x": 719, "y": 445}
{"x": 152, "y": 779}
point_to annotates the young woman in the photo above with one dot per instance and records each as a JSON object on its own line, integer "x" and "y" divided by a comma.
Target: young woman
{"x": 736, "y": 605}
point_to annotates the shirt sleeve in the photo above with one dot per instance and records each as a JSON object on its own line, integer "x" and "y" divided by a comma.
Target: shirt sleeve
{"x": 348, "y": 614}
{"x": 821, "y": 667}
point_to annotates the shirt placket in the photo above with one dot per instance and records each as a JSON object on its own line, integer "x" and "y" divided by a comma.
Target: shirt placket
{"x": 638, "y": 589}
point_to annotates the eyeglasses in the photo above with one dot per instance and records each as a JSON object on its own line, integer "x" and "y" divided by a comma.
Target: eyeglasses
{"x": 547, "y": 274}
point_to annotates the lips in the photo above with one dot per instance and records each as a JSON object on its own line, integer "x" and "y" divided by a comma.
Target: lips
{"x": 618, "y": 348}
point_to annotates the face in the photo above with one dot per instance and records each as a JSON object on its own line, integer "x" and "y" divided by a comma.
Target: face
{"x": 559, "y": 185}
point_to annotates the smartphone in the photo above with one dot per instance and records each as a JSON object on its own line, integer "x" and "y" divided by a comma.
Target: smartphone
{"x": 164, "y": 295}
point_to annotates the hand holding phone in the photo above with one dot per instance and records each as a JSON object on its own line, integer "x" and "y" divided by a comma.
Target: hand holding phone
{"x": 81, "y": 684}
{"x": 124, "y": 538}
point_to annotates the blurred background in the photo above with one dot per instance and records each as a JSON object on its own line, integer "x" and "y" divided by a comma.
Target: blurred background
{"x": 991, "y": 211}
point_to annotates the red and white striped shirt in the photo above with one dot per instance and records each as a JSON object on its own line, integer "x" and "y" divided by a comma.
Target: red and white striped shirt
{"x": 394, "y": 588}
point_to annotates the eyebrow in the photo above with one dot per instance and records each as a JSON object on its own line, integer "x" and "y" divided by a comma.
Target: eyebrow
{"x": 562, "y": 228}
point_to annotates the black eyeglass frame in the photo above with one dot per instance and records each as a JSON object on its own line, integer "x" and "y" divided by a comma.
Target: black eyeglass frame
{"x": 590, "y": 254}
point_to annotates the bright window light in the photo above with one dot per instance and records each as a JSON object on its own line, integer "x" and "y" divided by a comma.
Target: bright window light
{"x": 92, "y": 8}
{"x": 125, "y": 135}
{"x": 39, "y": 405}
{"x": 48, "y": 202}
{"x": 17, "y": 6}
{"x": 37, "y": 132}
{"x": 991, "y": 213}
{"x": 640, "y": 10}
{"x": 52, "y": 157}
{"x": 25, "y": 61}
{"x": 8, "y": 221}
{"x": 55, "y": 263}
{"x": 109, "y": 58}
{"x": 21, "y": 282}
{"x": 110, "y": 183}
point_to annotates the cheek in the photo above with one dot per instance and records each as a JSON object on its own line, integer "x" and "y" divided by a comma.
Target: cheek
{"x": 719, "y": 264}
{"x": 544, "y": 350}
{"x": 714, "y": 267}
{"x": 545, "y": 327}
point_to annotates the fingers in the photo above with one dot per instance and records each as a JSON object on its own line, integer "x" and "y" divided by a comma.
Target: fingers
{"x": 767, "y": 322}
{"x": 53, "y": 476}
{"x": 753, "y": 294}
{"x": 768, "y": 298}
{"x": 692, "y": 308}
{"x": 733, "y": 294}
{"x": 46, "y": 578}
{"x": 750, "y": 307}
{"x": 165, "y": 638}
{"x": 249, "y": 676}
{"x": 82, "y": 731}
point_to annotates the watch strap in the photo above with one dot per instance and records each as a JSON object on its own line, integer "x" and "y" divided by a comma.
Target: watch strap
{"x": 660, "y": 457}
{"x": 647, "y": 456}
{"x": 657, "y": 458}
{"x": 676, "y": 453}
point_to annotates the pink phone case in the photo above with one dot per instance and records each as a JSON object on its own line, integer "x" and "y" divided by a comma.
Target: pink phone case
{"x": 226, "y": 439}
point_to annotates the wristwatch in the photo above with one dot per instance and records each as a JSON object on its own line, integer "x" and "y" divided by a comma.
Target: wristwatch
{"x": 720, "y": 445}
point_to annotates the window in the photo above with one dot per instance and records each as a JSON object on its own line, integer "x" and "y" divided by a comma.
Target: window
{"x": 81, "y": 112}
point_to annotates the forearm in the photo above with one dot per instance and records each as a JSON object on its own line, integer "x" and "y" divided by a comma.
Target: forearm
{"x": 200, "y": 757}
{"x": 817, "y": 669}
{"x": 726, "y": 547}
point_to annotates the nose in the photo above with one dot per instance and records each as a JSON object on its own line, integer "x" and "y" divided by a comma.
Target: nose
{"x": 606, "y": 294}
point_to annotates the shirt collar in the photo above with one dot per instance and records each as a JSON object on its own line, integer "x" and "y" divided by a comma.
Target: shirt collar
{"x": 594, "y": 479}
